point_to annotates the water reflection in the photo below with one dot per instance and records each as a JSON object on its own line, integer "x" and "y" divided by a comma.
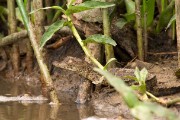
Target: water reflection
{"x": 19, "y": 111}
{"x": 68, "y": 110}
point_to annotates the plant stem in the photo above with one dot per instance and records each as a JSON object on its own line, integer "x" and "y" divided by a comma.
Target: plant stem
{"x": 163, "y": 5}
{"x": 173, "y": 29}
{"x": 84, "y": 47}
{"x": 168, "y": 103}
{"x": 145, "y": 30}
{"x": 152, "y": 96}
{"x": 12, "y": 16}
{"x": 39, "y": 19}
{"x": 58, "y": 13}
{"x": 177, "y": 8}
{"x": 43, "y": 68}
{"x": 139, "y": 31}
{"x": 49, "y": 12}
{"x": 29, "y": 54}
{"x": 171, "y": 102}
{"x": 108, "y": 48}
{"x": 15, "y": 57}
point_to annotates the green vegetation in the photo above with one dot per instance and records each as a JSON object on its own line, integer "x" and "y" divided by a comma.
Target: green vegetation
{"x": 142, "y": 15}
{"x": 43, "y": 67}
{"x": 68, "y": 12}
{"x": 140, "y": 110}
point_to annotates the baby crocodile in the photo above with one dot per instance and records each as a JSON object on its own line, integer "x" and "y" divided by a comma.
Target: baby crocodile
{"x": 86, "y": 70}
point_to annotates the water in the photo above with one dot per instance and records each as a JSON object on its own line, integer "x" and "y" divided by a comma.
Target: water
{"x": 38, "y": 110}
{"x": 34, "y": 111}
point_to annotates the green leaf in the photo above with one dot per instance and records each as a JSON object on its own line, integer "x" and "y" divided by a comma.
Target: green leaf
{"x": 121, "y": 23}
{"x": 127, "y": 93}
{"x": 3, "y": 10}
{"x": 70, "y": 3}
{"x": 143, "y": 74}
{"x": 109, "y": 61}
{"x": 100, "y": 39}
{"x": 52, "y": 7}
{"x": 130, "y": 6}
{"x": 165, "y": 17}
{"x": 50, "y": 32}
{"x": 18, "y": 15}
{"x": 87, "y": 6}
{"x": 3, "y": 13}
{"x": 137, "y": 74}
{"x": 150, "y": 12}
{"x": 58, "y": 8}
{"x": 24, "y": 14}
{"x": 172, "y": 20}
{"x": 148, "y": 9}
{"x": 141, "y": 78}
{"x": 145, "y": 111}
{"x": 135, "y": 87}
{"x": 129, "y": 17}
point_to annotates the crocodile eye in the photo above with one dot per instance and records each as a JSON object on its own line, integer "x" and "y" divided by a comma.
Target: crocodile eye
{"x": 89, "y": 69}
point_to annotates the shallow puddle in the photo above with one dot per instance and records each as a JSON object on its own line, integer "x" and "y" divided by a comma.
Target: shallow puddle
{"x": 34, "y": 111}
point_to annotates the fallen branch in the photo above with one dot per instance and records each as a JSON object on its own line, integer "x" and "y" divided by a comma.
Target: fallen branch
{"x": 14, "y": 37}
